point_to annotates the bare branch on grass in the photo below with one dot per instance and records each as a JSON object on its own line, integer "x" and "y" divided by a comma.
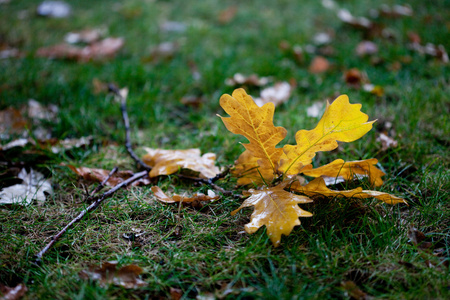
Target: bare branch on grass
{"x": 90, "y": 208}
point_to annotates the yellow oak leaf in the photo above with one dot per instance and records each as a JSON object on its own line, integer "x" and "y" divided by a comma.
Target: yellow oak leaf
{"x": 317, "y": 187}
{"x": 256, "y": 124}
{"x": 341, "y": 121}
{"x": 348, "y": 170}
{"x": 275, "y": 208}
{"x": 166, "y": 162}
{"x": 248, "y": 171}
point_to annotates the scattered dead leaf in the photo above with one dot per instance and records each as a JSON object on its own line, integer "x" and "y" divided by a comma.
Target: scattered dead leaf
{"x": 315, "y": 110}
{"x": 98, "y": 175}
{"x": 366, "y": 48}
{"x": 99, "y": 86}
{"x": 323, "y": 38}
{"x": 319, "y": 65}
{"x": 12, "y": 122}
{"x": 395, "y": 11}
{"x": 86, "y": 36}
{"x": 438, "y": 51}
{"x": 227, "y": 15}
{"x": 104, "y": 49}
{"x": 126, "y": 276}
{"x": 172, "y": 26}
{"x": 193, "y": 100}
{"x": 12, "y": 293}
{"x": 355, "y": 78}
{"x": 354, "y": 291}
{"x": 33, "y": 187}
{"x": 277, "y": 94}
{"x": 194, "y": 201}
{"x": 376, "y": 90}
{"x": 166, "y": 162}
{"x": 54, "y": 9}
{"x": 418, "y": 239}
{"x": 356, "y": 22}
{"x": 252, "y": 80}
{"x": 162, "y": 52}
{"x": 386, "y": 142}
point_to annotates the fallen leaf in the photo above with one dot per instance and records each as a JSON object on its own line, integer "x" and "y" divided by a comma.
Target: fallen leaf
{"x": 227, "y": 15}
{"x": 15, "y": 143}
{"x": 256, "y": 124}
{"x": 99, "y": 86}
{"x": 322, "y": 38}
{"x": 315, "y": 110}
{"x": 418, "y": 238}
{"x": 341, "y": 121}
{"x": 252, "y": 80}
{"x": 104, "y": 49}
{"x": 349, "y": 170}
{"x": 126, "y": 276}
{"x": 376, "y": 90}
{"x": 175, "y": 293}
{"x": 354, "y": 291}
{"x": 86, "y": 36}
{"x": 356, "y": 22}
{"x": 396, "y": 11}
{"x": 319, "y": 65}
{"x": 354, "y": 78}
{"x": 166, "y": 162}
{"x": 162, "y": 52}
{"x": 318, "y": 188}
{"x": 277, "y": 94}
{"x": 438, "y": 51}
{"x": 10, "y": 52}
{"x": 99, "y": 175}
{"x": 248, "y": 171}
{"x": 275, "y": 208}
{"x": 172, "y": 26}
{"x": 33, "y": 187}
{"x": 366, "y": 48}
{"x": 197, "y": 197}
{"x": 12, "y": 122}
{"x": 414, "y": 38}
{"x": 12, "y": 293}
{"x": 193, "y": 100}
{"x": 386, "y": 142}
{"x": 54, "y": 9}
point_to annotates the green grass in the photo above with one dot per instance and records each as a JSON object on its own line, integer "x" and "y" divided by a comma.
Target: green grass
{"x": 204, "y": 251}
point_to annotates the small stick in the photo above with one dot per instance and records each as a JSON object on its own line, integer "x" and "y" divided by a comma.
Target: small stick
{"x": 90, "y": 208}
{"x": 99, "y": 187}
{"x": 123, "y": 107}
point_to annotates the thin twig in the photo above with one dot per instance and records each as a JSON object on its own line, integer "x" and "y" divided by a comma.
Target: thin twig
{"x": 123, "y": 107}
{"x": 99, "y": 187}
{"x": 90, "y": 208}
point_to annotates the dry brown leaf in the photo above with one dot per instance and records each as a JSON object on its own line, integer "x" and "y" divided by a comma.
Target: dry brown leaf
{"x": 162, "y": 52}
{"x": 418, "y": 238}
{"x": 366, "y": 48}
{"x": 317, "y": 187}
{"x": 256, "y": 124}
{"x": 356, "y": 22}
{"x": 126, "y": 276}
{"x": 395, "y": 11}
{"x": 98, "y": 175}
{"x": 275, "y": 208}
{"x": 11, "y": 122}
{"x": 163, "y": 197}
{"x": 349, "y": 170}
{"x": 438, "y": 51}
{"x": 227, "y": 15}
{"x": 386, "y": 142}
{"x": 104, "y": 49}
{"x": 354, "y": 291}
{"x": 166, "y": 162}
{"x": 319, "y": 65}
{"x": 355, "y": 78}
{"x": 277, "y": 94}
{"x": 87, "y": 36}
{"x": 12, "y": 293}
{"x": 376, "y": 90}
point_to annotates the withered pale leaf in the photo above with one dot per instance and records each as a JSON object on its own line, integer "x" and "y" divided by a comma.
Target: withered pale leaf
{"x": 33, "y": 187}
{"x": 166, "y": 162}
{"x": 349, "y": 170}
{"x": 319, "y": 65}
{"x": 251, "y": 80}
{"x": 317, "y": 187}
{"x": 163, "y": 197}
{"x": 275, "y": 208}
{"x": 277, "y": 94}
{"x": 12, "y": 293}
{"x": 126, "y": 276}
{"x": 256, "y": 124}
{"x": 341, "y": 121}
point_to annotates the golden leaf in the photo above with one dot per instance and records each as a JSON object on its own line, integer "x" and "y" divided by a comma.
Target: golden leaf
{"x": 348, "y": 170}
{"x": 256, "y": 124}
{"x": 341, "y": 121}
{"x": 247, "y": 170}
{"x": 162, "y": 197}
{"x": 166, "y": 162}
{"x": 275, "y": 208}
{"x": 317, "y": 187}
